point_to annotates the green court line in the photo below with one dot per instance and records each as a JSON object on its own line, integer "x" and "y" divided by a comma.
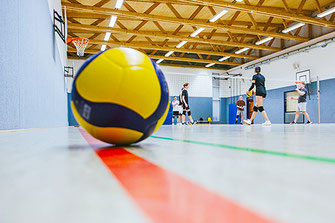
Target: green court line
{"x": 268, "y": 152}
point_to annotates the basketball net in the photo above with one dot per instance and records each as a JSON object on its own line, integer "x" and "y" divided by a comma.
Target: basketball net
{"x": 80, "y": 43}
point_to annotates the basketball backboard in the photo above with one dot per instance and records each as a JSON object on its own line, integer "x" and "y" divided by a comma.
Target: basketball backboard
{"x": 303, "y": 76}
{"x": 68, "y": 75}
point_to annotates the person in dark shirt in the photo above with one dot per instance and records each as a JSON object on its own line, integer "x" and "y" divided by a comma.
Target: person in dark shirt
{"x": 258, "y": 80}
{"x": 302, "y": 104}
{"x": 180, "y": 97}
{"x": 186, "y": 107}
{"x": 240, "y": 108}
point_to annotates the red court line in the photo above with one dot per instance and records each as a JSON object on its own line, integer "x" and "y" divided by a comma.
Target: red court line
{"x": 165, "y": 196}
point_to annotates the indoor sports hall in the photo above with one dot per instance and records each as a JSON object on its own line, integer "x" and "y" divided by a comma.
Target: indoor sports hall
{"x": 167, "y": 111}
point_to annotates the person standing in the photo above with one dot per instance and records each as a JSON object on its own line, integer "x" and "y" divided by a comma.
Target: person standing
{"x": 186, "y": 107}
{"x": 240, "y": 109}
{"x": 302, "y": 104}
{"x": 176, "y": 110}
{"x": 258, "y": 80}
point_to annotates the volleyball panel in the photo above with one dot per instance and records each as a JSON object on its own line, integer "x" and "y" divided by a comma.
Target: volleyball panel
{"x": 113, "y": 135}
{"x": 108, "y": 78}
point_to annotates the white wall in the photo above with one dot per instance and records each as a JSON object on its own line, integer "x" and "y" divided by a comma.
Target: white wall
{"x": 200, "y": 80}
{"x": 32, "y": 93}
{"x": 234, "y": 86}
{"x": 281, "y": 73}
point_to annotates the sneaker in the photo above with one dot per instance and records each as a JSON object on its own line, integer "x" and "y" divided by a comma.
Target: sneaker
{"x": 248, "y": 122}
{"x": 184, "y": 123}
{"x": 241, "y": 123}
{"x": 194, "y": 122}
{"x": 293, "y": 123}
{"x": 267, "y": 123}
{"x": 309, "y": 123}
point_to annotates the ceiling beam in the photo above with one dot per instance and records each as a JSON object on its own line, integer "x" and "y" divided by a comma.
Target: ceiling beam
{"x": 163, "y": 48}
{"x": 92, "y": 15}
{"x": 171, "y": 44}
{"x": 178, "y": 2}
{"x": 197, "y": 23}
{"x": 185, "y": 59}
{"x": 162, "y": 64}
{"x": 190, "y": 66}
{"x": 217, "y": 34}
{"x": 169, "y": 36}
{"x": 263, "y": 10}
{"x": 195, "y": 60}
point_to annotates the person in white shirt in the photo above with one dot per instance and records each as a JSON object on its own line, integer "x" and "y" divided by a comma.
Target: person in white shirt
{"x": 176, "y": 110}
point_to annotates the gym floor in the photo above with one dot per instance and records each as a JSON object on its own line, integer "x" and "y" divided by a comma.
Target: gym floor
{"x": 202, "y": 173}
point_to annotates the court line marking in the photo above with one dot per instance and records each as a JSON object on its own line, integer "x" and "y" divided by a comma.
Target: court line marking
{"x": 268, "y": 152}
{"x": 165, "y": 196}
{"x": 29, "y": 129}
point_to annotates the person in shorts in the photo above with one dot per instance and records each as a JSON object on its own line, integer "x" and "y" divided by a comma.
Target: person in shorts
{"x": 186, "y": 107}
{"x": 258, "y": 80}
{"x": 302, "y": 104}
{"x": 240, "y": 109}
{"x": 176, "y": 110}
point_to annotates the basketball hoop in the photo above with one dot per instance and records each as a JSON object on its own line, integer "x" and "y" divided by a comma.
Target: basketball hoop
{"x": 80, "y": 43}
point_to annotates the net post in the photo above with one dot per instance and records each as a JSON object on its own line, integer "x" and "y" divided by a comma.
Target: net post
{"x": 318, "y": 98}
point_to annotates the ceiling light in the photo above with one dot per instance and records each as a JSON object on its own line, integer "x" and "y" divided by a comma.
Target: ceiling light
{"x": 103, "y": 47}
{"x": 169, "y": 53}
{"x": 239, "y": 0}
{"x": 267, "y": 39}
{"x": 107, "y": 36}
{"x": 182, "y": 43}
{"x": 112, "y": 21}
{"x": 241, "y": 50}
{"x": 210, "y": 64}
{"x": 196, "y": 32}
{"x": 327, "y": 12}
{"x": 296, "y": 26}
{"x": 118, "y": 4}
{"x": 224, "y": 58}
{"x": 219, "y": 15}
{"x": 160, "y": 60}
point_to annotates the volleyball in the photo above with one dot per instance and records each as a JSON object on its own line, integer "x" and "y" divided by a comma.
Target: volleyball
{"x": 120, "y": 96}
{"x": 251, "y": 93}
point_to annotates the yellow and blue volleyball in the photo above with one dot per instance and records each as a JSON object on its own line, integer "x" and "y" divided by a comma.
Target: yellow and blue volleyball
{"x": 251, "y": 93}
{"x": 120, "y": 96}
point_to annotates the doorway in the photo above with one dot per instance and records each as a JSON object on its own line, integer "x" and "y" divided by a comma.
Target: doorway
{"x": 290, "y": 107}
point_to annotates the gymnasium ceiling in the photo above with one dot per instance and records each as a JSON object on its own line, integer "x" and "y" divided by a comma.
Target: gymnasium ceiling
{"x": 157, "y": 27}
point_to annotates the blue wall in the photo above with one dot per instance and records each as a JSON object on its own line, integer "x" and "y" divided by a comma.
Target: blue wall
{"x": 327, "y": 92}
{"x": 224, "y": 110}
{"x": 32, "y": 92}
{"x": 71, "y": 119}
{"x": 274, "y": 103}
{"x": 201, "y": 107}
